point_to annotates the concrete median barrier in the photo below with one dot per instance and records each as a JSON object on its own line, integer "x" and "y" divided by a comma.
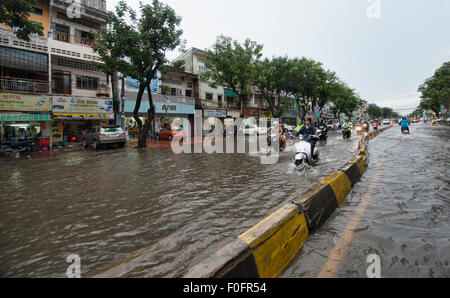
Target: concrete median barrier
{"x": 266, "y": 248}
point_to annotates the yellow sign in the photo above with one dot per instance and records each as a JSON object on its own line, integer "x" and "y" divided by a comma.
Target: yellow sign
{"x": 83, "y": 116}
{"x": 24, "y": 102}
{"x": 265, "y": 114}
{"x": 57, "y": 131}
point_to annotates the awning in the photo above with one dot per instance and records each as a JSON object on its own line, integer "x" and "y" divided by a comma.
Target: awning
{"x": 230, "y": 93}
{"x": 26, "y": 117}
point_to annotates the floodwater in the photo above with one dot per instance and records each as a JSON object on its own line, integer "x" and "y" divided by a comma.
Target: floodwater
{"x": 153, "y": 211}
{"x": 407, "y": 219}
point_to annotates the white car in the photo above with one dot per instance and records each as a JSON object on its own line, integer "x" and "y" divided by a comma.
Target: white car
{"x": 386, "y": 122}
{"x": 253, "y": 129}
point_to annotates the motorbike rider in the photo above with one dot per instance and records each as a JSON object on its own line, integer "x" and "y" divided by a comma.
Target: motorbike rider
{"x": 366, "y": 125}
{"x": 348, "y": 125}
{"x": 282, "y": 135}
{"x": 309, "y": 132}
{"x": 404, "y": 124}
{"x": 299, "y": 126}
{"x": 322, "y": 126}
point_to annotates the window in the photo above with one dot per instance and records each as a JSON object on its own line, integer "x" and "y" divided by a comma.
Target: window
{"x": 173, "y": 91}
{"x": 188, "y": 93}
{"x": 84, "y": 82}
{"x": 37, "y": 11}
{"x": 76, "y": 64}
{"x": 209, "y": 96}
{"x": 61, "y": 32}
{"x": 202, "y": 69}
{"x": 84, "y": 37}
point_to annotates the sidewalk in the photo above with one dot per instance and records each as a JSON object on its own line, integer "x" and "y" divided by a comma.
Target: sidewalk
{"x": 166, "y": 143}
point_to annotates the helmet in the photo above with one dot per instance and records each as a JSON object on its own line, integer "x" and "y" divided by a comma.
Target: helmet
{"x": 404, "y": 118}
{"x": 308, "y": 119}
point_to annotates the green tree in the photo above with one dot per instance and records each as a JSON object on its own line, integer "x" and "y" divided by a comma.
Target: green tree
{"x": 271, "y": 77}
{"x": 140, "y": 46}
{"x": 436, "y": 90}
{"x": 374, "y": 111}
{"x": 233, "y": 66}
{"x": 15, "y": 13}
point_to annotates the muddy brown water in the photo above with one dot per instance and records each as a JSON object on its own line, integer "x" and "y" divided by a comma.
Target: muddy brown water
{"x": 171, "y": 209}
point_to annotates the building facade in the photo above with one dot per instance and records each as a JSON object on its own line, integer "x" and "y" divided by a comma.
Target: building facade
{"x": 58, "y": 67}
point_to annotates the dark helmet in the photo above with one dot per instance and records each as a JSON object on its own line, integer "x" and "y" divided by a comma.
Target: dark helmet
{"x": 404, "y": 118}
{"x": 308, "y": 119}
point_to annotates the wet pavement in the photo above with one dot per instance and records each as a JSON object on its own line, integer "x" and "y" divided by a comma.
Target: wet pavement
{"x": 407, "y": 218}
{"x": 152, "y": 210}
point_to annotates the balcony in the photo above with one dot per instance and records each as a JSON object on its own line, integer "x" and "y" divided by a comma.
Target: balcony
{"x": 24, "y": 85}
{"x": 90, "y": 9}
{"x": 74, "y": 39}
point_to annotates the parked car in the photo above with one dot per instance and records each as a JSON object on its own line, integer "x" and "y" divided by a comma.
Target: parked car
{"x": 169, "y": 132}
{"x": 102, "y": 135}
{"x": 386, "y": 122}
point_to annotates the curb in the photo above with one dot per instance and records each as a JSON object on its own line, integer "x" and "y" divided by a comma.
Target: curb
{"x": 265, "y": 250}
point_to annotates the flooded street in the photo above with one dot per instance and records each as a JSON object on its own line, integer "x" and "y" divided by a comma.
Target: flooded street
{"x": 152, "y": 210}
{"x": 407, "y": 219}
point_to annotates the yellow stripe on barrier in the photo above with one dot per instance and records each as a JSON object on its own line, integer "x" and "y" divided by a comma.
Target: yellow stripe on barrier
{"x": 340, "y": 184}
{"x": 275, "y": 248}
{"x": 359, "y": 161}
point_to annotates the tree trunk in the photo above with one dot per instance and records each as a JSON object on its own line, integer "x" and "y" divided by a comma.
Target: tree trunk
{"x": 115, "y": 94}
{"x": 136, "y": 115}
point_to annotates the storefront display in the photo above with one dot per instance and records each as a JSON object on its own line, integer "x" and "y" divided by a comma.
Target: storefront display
{"x": 77, "y": 115}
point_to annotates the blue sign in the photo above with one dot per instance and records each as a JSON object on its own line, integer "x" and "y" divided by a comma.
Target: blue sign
{"x": 131, "y": 83}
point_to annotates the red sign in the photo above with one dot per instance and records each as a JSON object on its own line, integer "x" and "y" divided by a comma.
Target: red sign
{"x": 251, "y": 112}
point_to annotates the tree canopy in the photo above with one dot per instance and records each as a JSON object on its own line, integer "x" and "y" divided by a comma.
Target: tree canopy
{"x": 14, "y": 13}
{"x": 436, "y": 90}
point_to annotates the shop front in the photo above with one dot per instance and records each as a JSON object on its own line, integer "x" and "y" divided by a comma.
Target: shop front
{"x": 24, "y": 116}
{"x": 211, "y": 117}
{"x": 169, "y": 110}
{"x": 73, "y": 116}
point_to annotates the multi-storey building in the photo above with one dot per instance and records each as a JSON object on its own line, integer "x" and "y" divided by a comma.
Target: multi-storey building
{"x": 53, "y": 77}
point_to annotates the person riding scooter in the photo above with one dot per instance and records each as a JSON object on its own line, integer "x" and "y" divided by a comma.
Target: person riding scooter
{"x": 404, "y": 124}
{"x": 309, "y": 132}
{"x": 323, "y": 127}
{"x": 347, "y": 129}
{"x": 366, "y": 126}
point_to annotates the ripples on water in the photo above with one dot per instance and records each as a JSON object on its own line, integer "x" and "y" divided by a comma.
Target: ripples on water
{"x": 408, "y": 217}
{"x": 107, "y": 205}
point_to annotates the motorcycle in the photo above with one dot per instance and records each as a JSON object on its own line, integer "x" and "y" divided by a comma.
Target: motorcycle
{"x": 359, "y": 129}
{"x": 405, "y": 130}
{"x": 346, "y": 133}
{"x": 322, "y": 132}
{"x": 23, "y": 147}
{"x": 366, "y": 127}
{"x": 273, "y": 138}
{"x": 303, "y": 154}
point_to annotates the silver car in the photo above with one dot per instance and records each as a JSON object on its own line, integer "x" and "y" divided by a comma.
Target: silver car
{"x": 107, "y": 134}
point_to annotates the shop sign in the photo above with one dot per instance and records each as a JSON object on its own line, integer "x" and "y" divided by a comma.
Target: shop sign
{"x": 65, "y": 104}
{"x": 265, "y": 114}
{"x": 215, "y": 113}
{"x": 251, "y": 112}
{"x": 234, "y": 114}
{"x": 160, "y": 108}
{"x": 83, "y": 116}
{"x": 133, "y": 84}
{"x": 24, "y": 102}
{"x": 57, "y": 131}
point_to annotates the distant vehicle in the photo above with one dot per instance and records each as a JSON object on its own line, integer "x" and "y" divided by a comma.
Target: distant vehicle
{"x": 386, "y": 122}
{"x": 169, "y": 132}
{"x": 102, "y": 135}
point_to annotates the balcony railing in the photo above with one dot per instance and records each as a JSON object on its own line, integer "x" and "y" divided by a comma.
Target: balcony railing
{"x": 96, "y": 4}
{"x": 60, "y": 36}
{"x": 24, "y": 85}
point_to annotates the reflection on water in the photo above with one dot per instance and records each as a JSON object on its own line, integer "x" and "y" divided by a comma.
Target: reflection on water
{"x": 169, "y": 208}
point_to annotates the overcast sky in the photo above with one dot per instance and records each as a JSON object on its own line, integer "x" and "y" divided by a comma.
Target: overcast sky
{"x": 384, "y": 54}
